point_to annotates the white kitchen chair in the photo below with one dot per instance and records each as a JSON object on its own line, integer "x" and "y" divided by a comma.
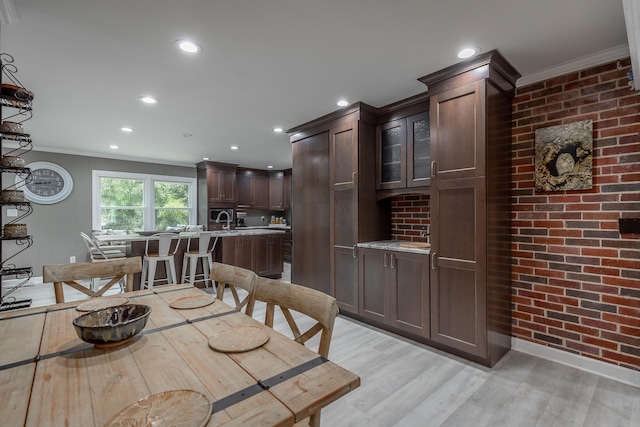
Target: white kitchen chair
{"x": 101, "y": 253}
{"x": 167, "y": 248}
{"x": 206, "y": 246}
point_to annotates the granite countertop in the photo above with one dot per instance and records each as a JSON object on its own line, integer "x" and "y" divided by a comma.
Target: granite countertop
{"x": 393, "y": 245}
{"x": 246, "y": 231}
{"x": 263, "y": 227}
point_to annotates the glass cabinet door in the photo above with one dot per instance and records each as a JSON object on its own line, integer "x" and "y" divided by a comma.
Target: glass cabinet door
{"x": 391, "y": 155}
{"x": 418, "y": 147}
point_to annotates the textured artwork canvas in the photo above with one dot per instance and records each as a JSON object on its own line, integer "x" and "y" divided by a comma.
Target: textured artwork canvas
{"x": 564, "y": 157}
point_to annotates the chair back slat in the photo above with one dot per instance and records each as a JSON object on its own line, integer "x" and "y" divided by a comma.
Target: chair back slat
{"x": 289, "y": 297}
{"x": 232, "y": 276}
{"x": 69, "y": 274}
{"x": 167, "y": 244}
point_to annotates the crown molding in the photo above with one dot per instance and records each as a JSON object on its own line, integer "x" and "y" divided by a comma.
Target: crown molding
{"x": 8, "y": 12}
{"x": 588, "y": 61}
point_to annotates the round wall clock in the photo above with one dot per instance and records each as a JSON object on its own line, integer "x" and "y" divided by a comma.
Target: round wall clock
{"x": 50, "y": 183}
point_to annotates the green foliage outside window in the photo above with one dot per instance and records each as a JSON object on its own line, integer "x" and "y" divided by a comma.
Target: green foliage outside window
{"x": 122, "y": 204}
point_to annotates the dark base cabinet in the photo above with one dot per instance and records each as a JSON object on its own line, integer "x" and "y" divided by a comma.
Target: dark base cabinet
{"x": 261, "y": 254}
{"x": 394, "y": 289}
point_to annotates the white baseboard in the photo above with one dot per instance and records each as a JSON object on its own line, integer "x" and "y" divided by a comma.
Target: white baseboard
{"x": 618, "y": 373}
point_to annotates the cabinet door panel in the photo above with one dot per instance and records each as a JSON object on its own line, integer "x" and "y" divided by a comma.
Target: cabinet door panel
{"x": 346, "y": 279}
{"x": 418, "y": 150}
{"x": 311, "y": 264}
{"x": 391, "y": 155}
{"x": 276, "y": 191}
{"x": 345, "y": 210}
{"x": 458, "y": 283}
{"x": 243, "y": 181}
{"x": 260, "y": 192}
{"x": 244, "y": 253}
{"x": 410, "y": 293}
{"x": 457, "y": 132}
{"x": 374, "y": 291}
{"x": 261, "y": 255}
{"x": 344, "y": 156}
{"x": 228, "y": 186}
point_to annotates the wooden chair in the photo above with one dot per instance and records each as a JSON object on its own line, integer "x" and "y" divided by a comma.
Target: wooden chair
{"x": 232, "y": 276}
{"x": 319, "y": 306}
{"x": 122, "y": 268}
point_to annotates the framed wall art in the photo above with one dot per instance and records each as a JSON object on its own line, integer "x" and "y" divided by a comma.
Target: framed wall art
{"x": 564, "y": 157}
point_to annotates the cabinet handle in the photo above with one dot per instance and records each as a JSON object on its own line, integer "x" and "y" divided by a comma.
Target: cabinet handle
{"x": 355, "y": 252}
{"x": 386, "y": 260}
{"x": 393, "y": 261}
{"x": 433, "y": 168}
{"x": 354, "y": 177}
{"x": 433, "y": 261}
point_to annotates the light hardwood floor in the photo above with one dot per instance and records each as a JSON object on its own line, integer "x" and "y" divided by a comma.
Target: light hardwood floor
{"x": 409, "y": 384}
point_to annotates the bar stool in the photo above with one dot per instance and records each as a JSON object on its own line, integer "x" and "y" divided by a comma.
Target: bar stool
{"x": 164, "y": 254}
{"x": 192, "y": 256}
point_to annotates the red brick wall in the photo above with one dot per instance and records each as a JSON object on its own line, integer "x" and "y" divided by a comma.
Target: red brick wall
{"x": 410, "y": 214}
{"x": 576, "y": 280}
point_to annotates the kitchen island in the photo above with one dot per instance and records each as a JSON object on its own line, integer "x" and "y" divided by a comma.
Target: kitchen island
{"x": 257, "y": 249}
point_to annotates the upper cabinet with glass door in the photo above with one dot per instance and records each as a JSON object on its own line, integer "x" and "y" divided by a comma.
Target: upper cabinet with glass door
{"x": 403, "y": 159}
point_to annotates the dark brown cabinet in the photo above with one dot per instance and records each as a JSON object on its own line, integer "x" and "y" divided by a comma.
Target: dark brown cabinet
{"x": 262, "y": 253}
{"x": 253, "y": 189}
{"x": 394, "y": 289}
{"x": 470, "y": 206}
{"x": 356, "y": 216}
{"x": 311, "y": 259}
{"x": 334, "y": 201}
{"x": 276, "y": 191}
{"x": 220, "y": 181}
{"x": 269, "y": 255}
{"x": 403, "y": 161}
{"x": 238, "y": 251}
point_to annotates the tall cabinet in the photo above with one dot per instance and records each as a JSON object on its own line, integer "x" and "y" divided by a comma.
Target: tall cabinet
{"x": 348, "y": 191}
{"x": 470, "y": 206}
{"x": 15, "y": 109}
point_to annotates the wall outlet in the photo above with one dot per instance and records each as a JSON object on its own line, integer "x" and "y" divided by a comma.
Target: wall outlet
{"x": 72, "y": 259}
{"x": 12, "y": 212}
{"x": 262, "y": 218}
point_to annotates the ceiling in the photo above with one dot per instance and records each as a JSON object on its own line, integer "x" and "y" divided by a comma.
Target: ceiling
{"x": 264, "y": 64}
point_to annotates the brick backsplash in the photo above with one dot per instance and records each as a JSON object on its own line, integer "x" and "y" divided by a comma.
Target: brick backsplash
{"x": 410, "y": 215}
{"x": 575, "y": 279}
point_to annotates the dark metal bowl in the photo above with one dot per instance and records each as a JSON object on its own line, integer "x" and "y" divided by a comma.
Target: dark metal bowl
{"x": 113, "y": 325}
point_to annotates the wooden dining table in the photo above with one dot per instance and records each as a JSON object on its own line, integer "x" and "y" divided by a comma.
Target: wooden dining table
{"x": 48, "y": 376}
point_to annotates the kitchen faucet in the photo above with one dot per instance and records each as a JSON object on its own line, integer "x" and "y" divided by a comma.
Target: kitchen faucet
{"x": 228, "y": 226}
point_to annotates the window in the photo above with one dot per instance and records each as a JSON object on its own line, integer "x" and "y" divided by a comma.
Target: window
{"x": 134, "y": 202}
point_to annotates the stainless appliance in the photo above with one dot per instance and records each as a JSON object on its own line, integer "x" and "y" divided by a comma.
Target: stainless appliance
{"x": 219, "y": 218}
{"x": 241, "y": 219}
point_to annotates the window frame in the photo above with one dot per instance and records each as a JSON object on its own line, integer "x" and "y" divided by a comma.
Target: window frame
{"x": 148, "y": 191}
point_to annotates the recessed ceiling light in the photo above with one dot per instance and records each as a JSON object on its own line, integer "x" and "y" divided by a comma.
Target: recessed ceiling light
{"x": 205, "y": 158}
{"x": 148, "y": 100}
{"x": 234, "y": 147}
{"x": 114, "y": 147}
{"x": 188, "y": 46}
{"x": 126, "y": 129}
{"x": 278, "y": 130}
{"x": 270, "y": 167}
{"x": 467, "y": 52}
{"x": 343, "y": 103}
